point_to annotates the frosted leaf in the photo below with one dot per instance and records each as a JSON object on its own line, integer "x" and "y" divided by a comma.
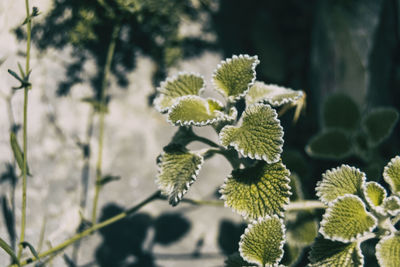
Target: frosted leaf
{"x": 340, "y": 181}
{"x": 178, "y": 169}
{"x": 388, "y": 251}
{"x": 392, "y": 205}
{"x": 272, "y": 94}
{"x": 391, "y": 174}
{"x": 375, "y": 195}
{"x": 257, "y": 191}
{"x": 234, "y": 76}
{"x": 260, "y": 136}
{"x": 347, "y": 220}
{"x": 262, "y": 242}
{"x": 177, "y": 86}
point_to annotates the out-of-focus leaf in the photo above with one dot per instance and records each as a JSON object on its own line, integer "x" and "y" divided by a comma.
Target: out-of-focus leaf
{"x": 340, "y": 111}
{"x": 107, "y": 179}
{"x": 303, "y": 230}
{"x": 330, "y": 144}
{"x": 391, "y": 174}
{"x": 379, "y": 123}
{"x": 295, "y": 186}
{"x": 229, "y": 235}
{"x": 260, "y": 135}
{"x": 234, "y": 76}
{"x": 8, "y": 249}
{"x": 31, "y": 248}
{"x": 388, "y": 251}
{"x": 291, "y": 254}
{"x": 9, "y": 219}
{"x": 262, "y": 242}
{"x": 347, "y": 220}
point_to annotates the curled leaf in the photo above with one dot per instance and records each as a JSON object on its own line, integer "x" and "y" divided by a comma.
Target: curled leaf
{"x": 234, "y": 76}
{"x": 392, "y": 205}
{"x": 257, "y": 191}
{"x": 340, "y": 181}
{"x": 177, "y": 86}
{"x": 262, "y": 242}
{"x": 375, "y": 196}
{"x": 260, "y": 135}
{"x": 391, "y": 174}
{"x": 347, "y": 220}
{"x": 388, "y": 251}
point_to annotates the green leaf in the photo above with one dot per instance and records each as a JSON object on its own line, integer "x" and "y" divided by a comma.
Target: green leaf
{"x": 340, "y": 111}
{"x": 327, "y": 253}
{"x": 177, "y": 86}
{"x": 31, "y": 248}
{"x": 260, "y": 135}
{"x": 262, "y": 242}
{"x": 234, "y": 76}
{"x": 379, "y": 123}
{"x": 388, "y": 251}
{"x": 303, "y": 230}
{"x": 9, "y": 251}
{"x": 18, "y": 154}
{"x": 272, "y": 94}
{"x": 391, "y": 174}
{"x": 197, "y": 111}
{"x": 178, "y": 169}
{"x": 291, "y": 255}
{"x": 235, "y": 260}
{"x": 347, "y": 220}
{"x": 330, "y": 144}
{"x": 375, "y": 196}
{"x": 257, "y": 191}
{"x": 340, "y": 181}
{"x": 107, "y": 179}
{"x": 392, "y": 205}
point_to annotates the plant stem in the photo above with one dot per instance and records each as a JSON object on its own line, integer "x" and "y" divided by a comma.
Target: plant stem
{"x": 305, "y": 205}
{"x": 91, "y": 230}
{"x": 106, "y": 72}
{"x": 24, "y": 169}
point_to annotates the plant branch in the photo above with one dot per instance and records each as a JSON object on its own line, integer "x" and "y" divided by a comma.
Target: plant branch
{"x": 106, "y": 72}
{"x": 305, "y": 205}
{"x": 91, "y": 230}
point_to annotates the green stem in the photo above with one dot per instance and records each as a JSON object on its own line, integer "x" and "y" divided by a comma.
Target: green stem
{"x": 305, "y": 205}
{"x": 106, "y": 72}
{"x": 91, "y": 230}
{"x": 24, "y": 168}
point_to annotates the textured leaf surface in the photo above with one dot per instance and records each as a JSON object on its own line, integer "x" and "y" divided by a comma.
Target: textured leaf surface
{"x": 392, "y": 205}
{"x": 259, "y": 137}
{"x": 197, "y": 111}
{"x": 271, "y": 94}
{"x": 340, "y": 111}
{"x": 327, "y": 253}
{"x": 330, "y": 144}
{"x": 391, "y": 174}
{"x": 340, "y": 181}
{"x": 257, "y": 191}
{"x": 180, "y": 85}
{"x": 347, "y": 219}
{"x": 379, "y": 123}
{"x": 234, "y": 77}
{"x": 178, "y": 169}
{"x": 388, "y": 251}
{"x": 375, "y": 195}
{"x": 262, "y": 241}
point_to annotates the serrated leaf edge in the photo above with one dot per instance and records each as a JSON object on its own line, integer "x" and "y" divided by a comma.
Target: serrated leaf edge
{"x": 391, "y": 212}
{"x": 245, "y": 214}
{"x": 379, "y": 246}
{"x": 227, "y": 61}
{"x": 251, "y": 225}
{"x": 173, "y": 78}
{"x": 177, "y": 199}
{"x": 378, "y": 209}
{"x": 327, "y": 213}
{"x": 386, "y": 176}
{"x": 251, "y": 155}
{"x": 223, "y": 116}
{"x": 283, "y": 101}
{"x": 317, "y": 188}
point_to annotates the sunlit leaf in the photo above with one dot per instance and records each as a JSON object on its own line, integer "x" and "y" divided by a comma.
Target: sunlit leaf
{"x": 327, "y": 253}
{"x": 347, "y": 220}
{"x": 177, "y": 86}
{"x": 379, "y": 123}
{"x": 262, "y": 242}
{"x": 392, "y": 205}
{"x": 257, "y": 191}
{"x": 260, "y": 135}
{"x": 340, "y": 111}
{"x": 234, "y": 76}
{"x": 340, "y": 181}
{"x": 271, "y": 94}
{"x": 330, "y": 144}
{"x": 375, "y": 195}
{"x": 303, "y": 230}
{"x": 235, "y": 260}
{"x": 391, "y": 174}
{"x": 388, "y": 251}
{"x": 178, "y": 169}
{"x": 197, "y": 111}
